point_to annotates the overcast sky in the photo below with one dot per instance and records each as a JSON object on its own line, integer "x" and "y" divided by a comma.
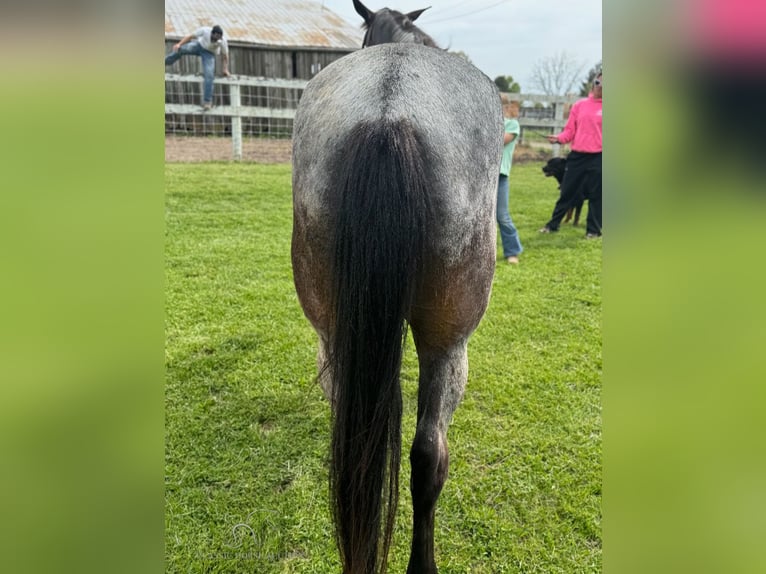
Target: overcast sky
{"x": 502, "y": 37}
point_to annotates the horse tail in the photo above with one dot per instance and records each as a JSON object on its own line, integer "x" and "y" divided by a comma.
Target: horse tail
{"x": 381, "y": 208}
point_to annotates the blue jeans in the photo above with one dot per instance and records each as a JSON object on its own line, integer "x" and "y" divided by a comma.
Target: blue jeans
{"x": 508, "y": 234}
{"x": 193, "y": 48}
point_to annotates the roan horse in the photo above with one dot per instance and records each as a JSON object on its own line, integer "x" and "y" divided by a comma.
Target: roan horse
{"x": 395, "y": 161}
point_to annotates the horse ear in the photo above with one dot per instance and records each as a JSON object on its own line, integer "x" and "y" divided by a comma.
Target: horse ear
{"x": 414, "y": 14}
{"x": 363, "y": 11}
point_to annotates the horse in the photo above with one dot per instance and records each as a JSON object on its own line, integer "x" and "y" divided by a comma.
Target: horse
{"x": 396, "y": 151}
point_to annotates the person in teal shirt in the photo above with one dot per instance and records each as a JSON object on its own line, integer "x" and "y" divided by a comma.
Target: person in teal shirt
{"x": 509, "y": 236}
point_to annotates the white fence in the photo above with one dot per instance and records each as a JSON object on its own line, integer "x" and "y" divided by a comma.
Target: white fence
{"x": 261, "y": 107}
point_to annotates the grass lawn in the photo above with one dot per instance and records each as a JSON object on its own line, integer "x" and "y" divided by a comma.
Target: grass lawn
{"x": 247, "y": 428}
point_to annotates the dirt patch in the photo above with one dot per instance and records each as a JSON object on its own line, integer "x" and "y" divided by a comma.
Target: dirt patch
{"x": 528, "y": 153}
{"x": 195, "y": 149}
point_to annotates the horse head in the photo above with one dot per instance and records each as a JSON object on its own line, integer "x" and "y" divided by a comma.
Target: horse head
{"x": 388, "y": 25}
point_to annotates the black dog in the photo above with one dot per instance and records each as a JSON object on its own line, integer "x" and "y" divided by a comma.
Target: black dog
{"x": 555, "y": 168}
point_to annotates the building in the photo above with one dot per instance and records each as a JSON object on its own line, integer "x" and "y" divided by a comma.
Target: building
{"x": 284, "y": 39}
{"x": 274, "y": 39}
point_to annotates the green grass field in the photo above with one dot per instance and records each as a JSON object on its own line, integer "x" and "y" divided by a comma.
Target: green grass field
{"x": 247, "y": 428}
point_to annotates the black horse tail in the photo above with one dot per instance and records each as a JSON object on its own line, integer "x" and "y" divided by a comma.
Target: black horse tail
{"x": 381, "y": 208}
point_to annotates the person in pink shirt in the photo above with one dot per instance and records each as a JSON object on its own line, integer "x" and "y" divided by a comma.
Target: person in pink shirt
{"x": 582, "y": 177}
{"x": 724, "y": 58}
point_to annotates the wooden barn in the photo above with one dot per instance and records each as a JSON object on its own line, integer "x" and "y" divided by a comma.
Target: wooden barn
{"x": 274, "y": 39}
{"x": 270, "y": 38}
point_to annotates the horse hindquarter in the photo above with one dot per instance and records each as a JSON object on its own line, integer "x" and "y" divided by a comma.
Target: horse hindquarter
{"x": 394, "y": 194}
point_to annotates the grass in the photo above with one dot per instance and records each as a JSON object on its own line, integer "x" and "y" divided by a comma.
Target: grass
{"x": 247, "y": 428}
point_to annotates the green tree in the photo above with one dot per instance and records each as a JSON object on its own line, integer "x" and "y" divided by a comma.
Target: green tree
{"x": 507, "y": 84}
{"x": 587, "y": 85}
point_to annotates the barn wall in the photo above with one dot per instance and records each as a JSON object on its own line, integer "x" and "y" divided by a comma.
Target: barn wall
{"x": 268, "y": 63}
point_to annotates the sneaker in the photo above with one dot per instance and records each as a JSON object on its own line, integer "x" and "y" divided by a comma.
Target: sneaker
{"x": 545, "y": 229}
{"x": 592, "y": 235}
{"x": 512, "y": 260}
{"x": 206, "y": 107}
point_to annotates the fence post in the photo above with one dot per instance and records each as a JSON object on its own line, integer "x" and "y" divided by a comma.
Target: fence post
{"x": 559, "y": 117}
{"x": 236, "y": 122}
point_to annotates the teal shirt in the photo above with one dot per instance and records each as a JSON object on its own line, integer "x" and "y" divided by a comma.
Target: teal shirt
{"x": 511, "y": 127}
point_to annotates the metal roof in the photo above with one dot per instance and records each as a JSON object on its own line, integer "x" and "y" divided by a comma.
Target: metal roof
{"x": 288, "y": 23}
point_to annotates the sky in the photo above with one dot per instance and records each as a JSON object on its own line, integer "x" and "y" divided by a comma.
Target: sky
{"x": 502, "y": 37}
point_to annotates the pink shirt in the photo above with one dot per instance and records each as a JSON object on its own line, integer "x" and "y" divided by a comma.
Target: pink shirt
{"x": 730, "y": 29}
{"x": 583, "y": 128}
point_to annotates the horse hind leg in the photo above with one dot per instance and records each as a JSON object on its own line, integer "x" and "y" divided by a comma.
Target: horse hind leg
{"x": 443, "y": 376}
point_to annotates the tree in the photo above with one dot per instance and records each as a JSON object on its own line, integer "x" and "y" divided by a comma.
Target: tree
{"x": 587, "y": 85}
{"x": 556, "y": 75}
{"x": 506, "y": 84}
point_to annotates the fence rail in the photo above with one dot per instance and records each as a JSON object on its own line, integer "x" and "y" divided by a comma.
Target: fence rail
{"x": 266, "y": 107}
